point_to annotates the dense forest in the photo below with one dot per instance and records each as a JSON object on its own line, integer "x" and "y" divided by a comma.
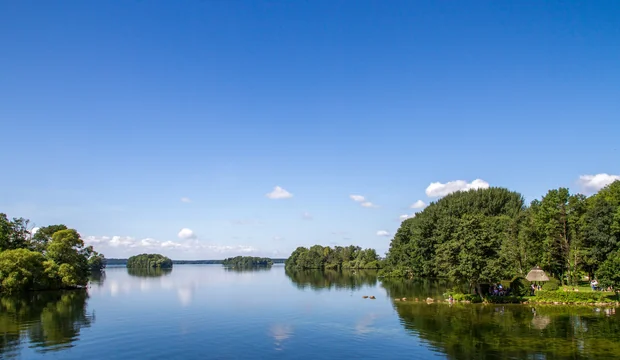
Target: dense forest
{"x": 486, "y": 235}
{"x": 247, "y": 261}
{"x": 54, "y": 257}
{"x": 320, "y": 257}
{"x": 149, "y": 261}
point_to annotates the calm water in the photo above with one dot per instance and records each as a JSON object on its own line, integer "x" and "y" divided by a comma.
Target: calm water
{"x": 208, "y": 312}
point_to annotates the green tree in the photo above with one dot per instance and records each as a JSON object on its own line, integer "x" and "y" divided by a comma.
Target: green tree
{"x": 14, "y": 233}
{"x": 20, "y": 270}
{"x": 43, "y": 236}
{"x": 67, "y": 263}
{"x": 608, "y": 273}
{"x": 472, "y": 255}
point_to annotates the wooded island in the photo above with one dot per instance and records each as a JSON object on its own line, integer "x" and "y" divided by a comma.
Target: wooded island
{"x": 54, "y": 257}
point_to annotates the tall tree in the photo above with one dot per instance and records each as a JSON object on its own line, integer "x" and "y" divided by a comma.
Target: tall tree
{"x": 43, "y": 236}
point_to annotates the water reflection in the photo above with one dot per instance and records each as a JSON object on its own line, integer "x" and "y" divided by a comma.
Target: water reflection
{"x": 280, "y": 332}
{"x": 148, "y": 272}
{"x": 411, "y": 289}
{"x": 50, "y": 320}
{"x": 513, "y": 331}
{"x": 247, "y": 269}
{"x": 328, "y": 279}
{"x": 97, "y": 278}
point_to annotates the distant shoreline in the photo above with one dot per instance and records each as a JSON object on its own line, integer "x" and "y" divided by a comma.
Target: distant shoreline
{"x": 122, "y": 262}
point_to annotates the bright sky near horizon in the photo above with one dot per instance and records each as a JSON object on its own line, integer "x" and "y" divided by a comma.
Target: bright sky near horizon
{"x": 208, "y": 129}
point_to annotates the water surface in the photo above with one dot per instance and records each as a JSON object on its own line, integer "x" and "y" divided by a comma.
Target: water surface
{"x": 210, "y": 312}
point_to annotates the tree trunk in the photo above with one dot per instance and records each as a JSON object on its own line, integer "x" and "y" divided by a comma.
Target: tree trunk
{"x": 479, "y": 292}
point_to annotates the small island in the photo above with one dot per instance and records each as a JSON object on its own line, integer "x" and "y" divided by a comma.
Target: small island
{"x": 324, "y": 257}
{"x": 149, "y": 261}
{"x": 50, "y": 258}
{"x": 247, "y": 262}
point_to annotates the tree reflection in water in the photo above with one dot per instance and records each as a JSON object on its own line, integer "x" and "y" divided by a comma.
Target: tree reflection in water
{"x": 328, "y": 279}
{"x": 50, "y": 320}
{"x": 469, "y": 331}
{"x": 247, "y": 269}
{"x": 148, "y": 272}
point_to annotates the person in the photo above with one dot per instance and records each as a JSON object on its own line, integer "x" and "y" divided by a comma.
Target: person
{"x": 594, "y": 284}
{"x": 532, "y": 289}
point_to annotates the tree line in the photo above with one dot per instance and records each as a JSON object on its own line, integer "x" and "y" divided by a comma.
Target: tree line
{"x": 486, "y": 235}
{"x": 247, "y": 261}
{"x": 340, "y": 257}
{"x": 54, "y": 257}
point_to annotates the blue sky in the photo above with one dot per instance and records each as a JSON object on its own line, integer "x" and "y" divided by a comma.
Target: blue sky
{"x": 112, "y": 112}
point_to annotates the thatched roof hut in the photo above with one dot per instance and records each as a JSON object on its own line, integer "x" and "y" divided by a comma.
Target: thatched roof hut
{"x": 537, "y": 274}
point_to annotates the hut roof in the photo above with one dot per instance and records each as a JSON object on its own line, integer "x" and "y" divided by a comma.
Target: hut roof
{"x": 537, "y": 274}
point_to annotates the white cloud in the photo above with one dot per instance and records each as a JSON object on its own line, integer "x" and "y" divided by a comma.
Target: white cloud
{"x": 357, "y": 198}
{"x": 306, "y": 216}
{"x": 124, "y": 246}
{"x": 171, "y": 244}
{"x": 148, "y": 242}
{"x": 418, "y": 204}
{"x": 405, "y": 217}
{"x": 383, "y": 233}
{"x": 122, "y": 241}
{"x": 34, "y": 230}
{"x": 186, "y": 233}
{"x": 279, "y": 193}
{"x": 362, "y": 200}
{"x": 437, "y": 189}
{"x": 594, "y": 183}
{"x": 277, "y": 238}
{"x": 186, "y": 200}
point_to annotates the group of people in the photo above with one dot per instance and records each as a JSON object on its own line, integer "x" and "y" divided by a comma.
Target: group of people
{"x": 499, "y": 290}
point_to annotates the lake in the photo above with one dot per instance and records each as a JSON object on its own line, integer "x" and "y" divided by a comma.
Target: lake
{"x": 210, "y": 312}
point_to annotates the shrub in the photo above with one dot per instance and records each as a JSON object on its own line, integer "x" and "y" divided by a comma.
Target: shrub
{"x": 520, "y": 286}
{"x": 467, "y": 297}
{"x": 573, "y": 297}
{"x": 551, "y": 285}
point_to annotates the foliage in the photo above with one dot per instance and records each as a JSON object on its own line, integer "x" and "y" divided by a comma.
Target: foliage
{"x": 43, "y": 236}
{"x": 551, "y": 285}
{"x": 55, "y": 258}
{"x": 608, "y": 273}
{"x": 20, "y": 270}
{"x": 247, "y": 261}
{"x": 14, "y": 233}
{"x": 519, "y": 286}
{"x": 149, "y": 261}
{"x": 483, "y": 236}
{"x": 97, "y": 262}
{"x": 319, "y": 257}
{"x": 572, "y": 297}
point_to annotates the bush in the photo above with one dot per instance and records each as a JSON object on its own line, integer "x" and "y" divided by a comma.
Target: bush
{"x": 467, "y": 297}
{"x": 520, "y": 286}
{"x": 573, "y": 297}
{"x": 551, "y": 285}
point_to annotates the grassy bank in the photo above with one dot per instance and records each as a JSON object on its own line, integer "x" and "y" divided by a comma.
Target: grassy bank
{"x": 546, "y": 297}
